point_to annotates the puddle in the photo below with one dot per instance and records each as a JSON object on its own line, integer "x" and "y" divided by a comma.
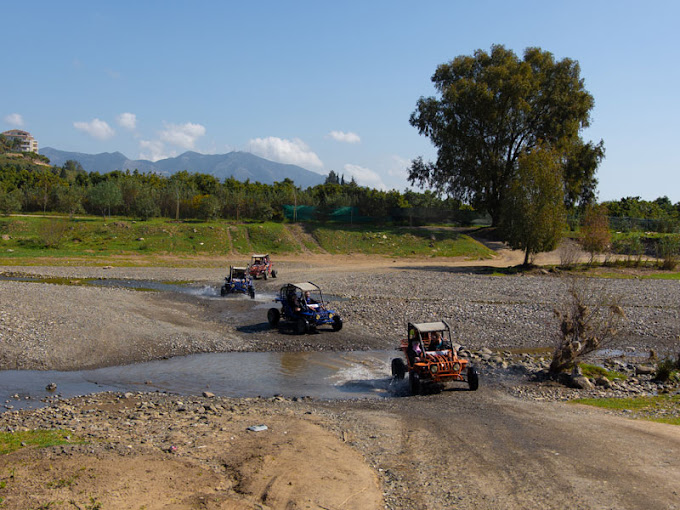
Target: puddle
{"x": 321, "y": 375}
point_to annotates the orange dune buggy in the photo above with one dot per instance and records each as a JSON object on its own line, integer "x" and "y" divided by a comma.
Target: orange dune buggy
{"x": 429, "y": 364}
{"x": 261, "y": 266}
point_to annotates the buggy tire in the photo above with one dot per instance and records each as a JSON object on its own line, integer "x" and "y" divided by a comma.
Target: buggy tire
{"x": 414, "y": 383}
{"x": 273, "y": 317}
{"x": 398, "y": 368}
{"x": 337, "y": 323}
{"x": 223, "y": 291}
{"x": 251, "y": 293}
{"x": 273, "y": 273}
{"x": 301, "y": 326}
{"x": 473, "y": 378}
{"x": 264, "y": 275}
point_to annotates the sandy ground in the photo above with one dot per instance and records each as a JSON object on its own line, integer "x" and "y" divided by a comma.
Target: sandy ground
{"x": 455, "y": 449}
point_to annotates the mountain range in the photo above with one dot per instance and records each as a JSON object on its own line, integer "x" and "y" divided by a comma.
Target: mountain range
{"x": 239, "y": 165}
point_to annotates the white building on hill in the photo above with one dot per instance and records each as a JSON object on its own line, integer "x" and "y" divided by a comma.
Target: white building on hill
{"x": 26, "y": 141}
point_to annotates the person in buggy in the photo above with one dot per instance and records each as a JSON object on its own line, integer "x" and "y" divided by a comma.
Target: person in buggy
{"x": 238, "y": 282}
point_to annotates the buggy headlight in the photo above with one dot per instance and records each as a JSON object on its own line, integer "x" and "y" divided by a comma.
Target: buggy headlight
{"x": 318, "y": 316}
{"x": 456, "y": 367}
{"x": 330, "y": 315}
{"x": 434, "y": 368}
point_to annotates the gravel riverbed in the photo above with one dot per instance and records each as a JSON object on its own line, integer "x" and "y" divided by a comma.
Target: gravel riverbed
{"x": 52, "y": 326}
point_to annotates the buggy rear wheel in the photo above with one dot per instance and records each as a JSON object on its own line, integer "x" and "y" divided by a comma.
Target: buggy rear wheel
{"x": 398, "y": 368}
{"x": 472, "y": 378}
{"x": 337, "y": 323}
{"x": 273, "y": 316}
{"x": 273, "y": 273}
{"x": 264, "y": 275}
{"x": 251, "y": 293}
{"x": 301, "y": 326}
{"x": 414, "y": 383}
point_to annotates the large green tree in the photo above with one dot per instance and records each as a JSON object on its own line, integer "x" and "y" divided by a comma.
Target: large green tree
{"x": 492, "y": 107}
{"x": 533, "y": 215}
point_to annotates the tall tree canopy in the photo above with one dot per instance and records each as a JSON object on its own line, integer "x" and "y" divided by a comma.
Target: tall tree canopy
{"x": 533, "y": 216}
{"x": 492, "y": 107}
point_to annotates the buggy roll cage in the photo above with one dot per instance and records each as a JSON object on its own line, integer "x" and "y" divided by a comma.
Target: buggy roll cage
{"x": 416, "y": 330}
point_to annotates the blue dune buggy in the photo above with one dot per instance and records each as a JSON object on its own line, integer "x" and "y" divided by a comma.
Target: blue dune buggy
{"x": 238, "y": 282}
{"x": 303, "y": 309}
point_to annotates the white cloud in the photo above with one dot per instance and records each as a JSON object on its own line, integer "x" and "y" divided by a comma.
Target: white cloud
{"x": 127, "y": 120}
{"x": 399, "y": 167}
{"x": 340, "y": 136}
{"x": 182, "y": 135}
{"x": 153, "y": 150}
{"x": 364, "y": 176}
{"x": 294, "y": 152}
{"x": 95, "y": 128}
{"x": 14, "y": 119}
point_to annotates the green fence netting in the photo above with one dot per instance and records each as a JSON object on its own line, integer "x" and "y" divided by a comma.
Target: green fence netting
{"x": 412, "y": 216}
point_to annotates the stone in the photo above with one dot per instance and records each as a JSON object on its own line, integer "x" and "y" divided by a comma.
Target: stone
{"x": 580, "y": 382}
{"x": 51, "y": 387}
{"x": 644, "y": 370}
{"x": 208, "y": 394}
{"x": 603, "y": 382}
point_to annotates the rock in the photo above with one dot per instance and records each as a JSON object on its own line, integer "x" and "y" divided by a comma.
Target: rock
{"x": 51, "y": 387}
{"x": 603, "y": 382}
{"x": 208, "y": 394}
{"x": 644, "y": 370}
{"x": 580, "y": 382}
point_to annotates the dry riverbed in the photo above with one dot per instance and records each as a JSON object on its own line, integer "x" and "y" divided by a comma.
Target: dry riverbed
{"x": 484, "y": 449}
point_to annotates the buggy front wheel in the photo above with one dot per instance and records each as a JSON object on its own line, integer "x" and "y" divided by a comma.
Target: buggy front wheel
{"x": 301, "y": 326}
{"x": 223, "y": 291}
{"x": 337, "y": 323}
{"x": 251, "y": 293}
{"x": 472, "y": 378}
{"x": 273, "y": 273}
{"x": 398, "y": 368}
{"x": 273, "y": 316}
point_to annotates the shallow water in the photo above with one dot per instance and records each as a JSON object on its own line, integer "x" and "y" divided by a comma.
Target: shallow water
{"x": 321, "y": 375}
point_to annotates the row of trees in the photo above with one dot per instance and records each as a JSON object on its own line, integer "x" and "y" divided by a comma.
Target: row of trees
{"x": 26, "y": 186}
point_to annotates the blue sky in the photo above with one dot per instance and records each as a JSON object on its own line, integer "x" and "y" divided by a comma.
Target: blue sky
{"x": 326, "y": 85}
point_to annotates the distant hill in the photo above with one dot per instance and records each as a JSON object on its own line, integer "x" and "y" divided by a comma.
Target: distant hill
{"x": 239, "y": 165}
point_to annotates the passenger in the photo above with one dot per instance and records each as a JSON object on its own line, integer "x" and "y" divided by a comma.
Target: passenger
{"x": 414, "y": 351}
{"x": 436, "y": 342}
{"x": 310, "y": 301}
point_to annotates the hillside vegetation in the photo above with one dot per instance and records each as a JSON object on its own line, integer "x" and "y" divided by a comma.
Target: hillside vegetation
{"x": 25, "y": 239}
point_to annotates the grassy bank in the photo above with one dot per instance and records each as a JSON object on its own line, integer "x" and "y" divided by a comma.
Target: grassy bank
{"x": 29, "y": 239}
{"x": 661, "y": 408}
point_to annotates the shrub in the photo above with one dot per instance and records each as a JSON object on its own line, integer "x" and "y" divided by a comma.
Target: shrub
{"x": 668, "y": 250}
{"x": 668, "y": 370}
{"x": 569, "y": 253}
{"x": 588, "y": 319}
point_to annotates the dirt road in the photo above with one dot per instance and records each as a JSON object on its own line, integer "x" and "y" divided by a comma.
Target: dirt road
{"x": 456, "y": 449}
{"x": 488, "y": 450}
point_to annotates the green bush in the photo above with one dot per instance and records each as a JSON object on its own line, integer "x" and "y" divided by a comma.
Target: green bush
{"x": 668, "y": 370}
